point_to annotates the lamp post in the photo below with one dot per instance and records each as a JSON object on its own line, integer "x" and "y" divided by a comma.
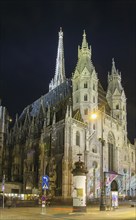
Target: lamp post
{"x": 102, "y": 178}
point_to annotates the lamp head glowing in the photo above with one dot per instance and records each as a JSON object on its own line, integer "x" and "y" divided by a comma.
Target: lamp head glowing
{"x": 93, "y": 116}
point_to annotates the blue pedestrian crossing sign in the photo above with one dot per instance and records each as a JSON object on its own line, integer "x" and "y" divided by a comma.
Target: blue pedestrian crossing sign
{"x": 45, "y": 182}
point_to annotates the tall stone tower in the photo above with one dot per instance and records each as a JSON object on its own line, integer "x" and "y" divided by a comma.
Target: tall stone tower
{"x": 116, "y": 98}
{"x": 85, "y": 82}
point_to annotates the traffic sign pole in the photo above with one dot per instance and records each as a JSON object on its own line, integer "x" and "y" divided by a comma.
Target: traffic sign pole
{"x": 45, "y": 185}
{"x": 45, "y": 182}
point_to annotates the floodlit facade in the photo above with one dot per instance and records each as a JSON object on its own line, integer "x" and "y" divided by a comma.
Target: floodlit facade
{"x": 46, "y": 138}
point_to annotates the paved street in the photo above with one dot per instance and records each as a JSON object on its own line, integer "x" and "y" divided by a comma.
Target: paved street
{"x": 65, "y": 212}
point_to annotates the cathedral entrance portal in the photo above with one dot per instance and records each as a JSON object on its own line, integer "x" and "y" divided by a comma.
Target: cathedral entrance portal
{"x": 114, "y": 186}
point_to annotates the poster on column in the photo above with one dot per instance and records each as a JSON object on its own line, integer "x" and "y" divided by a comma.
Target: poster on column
{"x": 114, "y": 199}
{"x": 79, "y": 192}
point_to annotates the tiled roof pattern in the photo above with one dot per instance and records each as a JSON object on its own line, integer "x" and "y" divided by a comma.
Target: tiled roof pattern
{"x": 50, "y": 99}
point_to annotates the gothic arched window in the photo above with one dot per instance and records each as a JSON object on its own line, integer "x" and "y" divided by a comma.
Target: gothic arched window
{"x": 111, "y": 152}
{"x": 85, "y": 97}
{"x": 110, "y": 155}
{"x": 85, "y": 85}
{"x": 117, "y": 106}
{"x": 77, "y": 138}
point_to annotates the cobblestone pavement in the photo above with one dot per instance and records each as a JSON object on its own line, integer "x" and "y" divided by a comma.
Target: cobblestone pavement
{"x": 65, "y": 212}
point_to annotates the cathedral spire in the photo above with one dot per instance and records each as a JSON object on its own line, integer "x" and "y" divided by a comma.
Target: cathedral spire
{"x": 60, "y": 67}
{"x": 114, "y": 82}
{"x": 84, "y": 42}
{"x": 113, "y": 69}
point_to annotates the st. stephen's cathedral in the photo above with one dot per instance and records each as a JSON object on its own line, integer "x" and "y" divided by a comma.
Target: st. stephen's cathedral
{"x": 51, "y": 132}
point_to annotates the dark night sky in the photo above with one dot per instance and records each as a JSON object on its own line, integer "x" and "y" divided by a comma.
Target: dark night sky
{"x": 29, "y": 40}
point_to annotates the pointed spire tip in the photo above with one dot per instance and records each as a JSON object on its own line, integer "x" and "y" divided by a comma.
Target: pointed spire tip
{"x": 60, "y": 32}
{"x": 84, "y": 33}
{"x": 84, "y": 41}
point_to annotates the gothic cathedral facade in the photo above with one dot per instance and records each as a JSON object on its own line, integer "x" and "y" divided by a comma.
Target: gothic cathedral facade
{"x": 50, "y": 133}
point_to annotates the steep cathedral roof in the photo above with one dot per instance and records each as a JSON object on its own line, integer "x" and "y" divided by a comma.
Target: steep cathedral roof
{"x": 50, "y": 99}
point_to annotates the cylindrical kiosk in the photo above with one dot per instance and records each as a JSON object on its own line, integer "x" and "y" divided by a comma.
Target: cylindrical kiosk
{"x": 79, "y": 186}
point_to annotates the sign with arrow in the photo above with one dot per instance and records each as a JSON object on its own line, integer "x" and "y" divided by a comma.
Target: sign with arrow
{"x": 45, "y": 182}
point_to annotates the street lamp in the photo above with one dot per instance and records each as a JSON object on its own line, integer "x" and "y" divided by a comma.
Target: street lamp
{"x": 102, "y": 179}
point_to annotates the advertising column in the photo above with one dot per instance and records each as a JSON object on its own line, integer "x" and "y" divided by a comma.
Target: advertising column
{"x": 79, "y": 187}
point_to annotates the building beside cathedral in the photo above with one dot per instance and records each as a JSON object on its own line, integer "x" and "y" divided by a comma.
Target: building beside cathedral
{"x": 46, "y": 138}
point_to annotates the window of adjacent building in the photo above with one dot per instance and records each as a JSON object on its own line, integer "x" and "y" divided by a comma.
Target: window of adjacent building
{"x": 85, "y": 85}
{"x": 85, "y": 97}
{"x": 93, "y": 99}
{"x": 86, "y": 111}
{"x": 93, "y": 126}
{"x": 77, "y": 138}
